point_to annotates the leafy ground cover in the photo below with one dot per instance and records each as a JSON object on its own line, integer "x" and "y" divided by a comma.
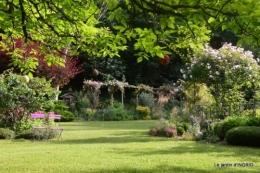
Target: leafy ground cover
{"x": 111, "y": 147}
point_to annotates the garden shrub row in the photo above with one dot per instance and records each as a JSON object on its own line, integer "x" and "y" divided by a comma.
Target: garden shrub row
{"x": 222, "y": 127}
{"x": 244, "y": 136}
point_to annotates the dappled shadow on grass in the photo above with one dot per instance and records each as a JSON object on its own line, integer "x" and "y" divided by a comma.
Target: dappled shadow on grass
{"x": 106, "y": 140}
{"x": 113, "y": 137}
{"x": 109, "y": 125}
{"x": 185, "y": 147}
{"x": 172, "y": 169}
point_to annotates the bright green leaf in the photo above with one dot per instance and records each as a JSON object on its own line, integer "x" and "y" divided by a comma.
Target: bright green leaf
{"x": 211, "y": 19}
{"x": 139, "y": 59}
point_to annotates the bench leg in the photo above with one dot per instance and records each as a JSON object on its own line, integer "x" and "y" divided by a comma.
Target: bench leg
{"x": 59, "y": 134}
{"x": 39, "y": 130}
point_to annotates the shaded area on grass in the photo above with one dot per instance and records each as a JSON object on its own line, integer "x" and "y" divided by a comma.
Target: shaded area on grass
{"x": 173, "y": 169}
{"x": 107, "y": 140}
{"x": 192, "y": 147}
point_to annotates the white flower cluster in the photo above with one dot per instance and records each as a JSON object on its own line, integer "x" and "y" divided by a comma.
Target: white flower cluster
{"x": 116, "y": 83}
{"x": 229, "y": 63}
{"x": 94, "y": 84}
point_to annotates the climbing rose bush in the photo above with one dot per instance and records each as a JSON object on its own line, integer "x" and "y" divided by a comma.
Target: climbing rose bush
{"x": 229, "y": 64}
{"x": 224, "y": 71}
{"x": 92, "y": 85}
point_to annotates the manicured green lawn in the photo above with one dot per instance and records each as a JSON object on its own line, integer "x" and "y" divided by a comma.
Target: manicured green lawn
{"x": 117, "y": 147}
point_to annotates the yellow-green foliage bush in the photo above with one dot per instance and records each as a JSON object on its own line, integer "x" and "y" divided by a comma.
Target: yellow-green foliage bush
{"x": 144, "y": 112}
{"x": 188, "y": 136}
{"x": 91, "y": 112}
{"x": 250, "y": 112}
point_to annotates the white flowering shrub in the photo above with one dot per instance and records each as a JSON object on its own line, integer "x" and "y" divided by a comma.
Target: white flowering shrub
{"x": 227, "y": 72}
{"x": 230, "y": 64}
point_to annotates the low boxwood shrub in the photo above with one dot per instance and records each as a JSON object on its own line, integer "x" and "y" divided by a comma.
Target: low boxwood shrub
{"x": 6, "y": 133}
{"x": 38, "y": 135}
{"x": 26, "y": 134}
{"x": 244, "y": 136}
{"x": 221, "y": 128}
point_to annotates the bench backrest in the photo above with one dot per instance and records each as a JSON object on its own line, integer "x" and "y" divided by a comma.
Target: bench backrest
{"x": 54, "y": 116}
{"x": 37, "y": 115}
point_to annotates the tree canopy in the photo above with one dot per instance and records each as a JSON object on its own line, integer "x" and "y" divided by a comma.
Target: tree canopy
{"x": 170, "y": 24}
{"x": 58, "y": 24}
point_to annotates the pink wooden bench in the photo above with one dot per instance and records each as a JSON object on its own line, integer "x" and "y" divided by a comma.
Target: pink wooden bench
{"x": 56, "y": 128}
{"x": 38, "y": 115}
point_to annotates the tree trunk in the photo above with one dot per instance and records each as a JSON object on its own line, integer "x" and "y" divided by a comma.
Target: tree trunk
{"x": 122, "y": 96}
{"x": 57, "y": 96}
{"x": 111, "y": 99}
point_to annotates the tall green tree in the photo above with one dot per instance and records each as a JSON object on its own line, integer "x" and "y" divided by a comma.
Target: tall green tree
{"x": 20, "y": 97}
{"x": 171, "y": 24}
{"x": 177, "y": 24}
{"x": 56, "y": 25}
